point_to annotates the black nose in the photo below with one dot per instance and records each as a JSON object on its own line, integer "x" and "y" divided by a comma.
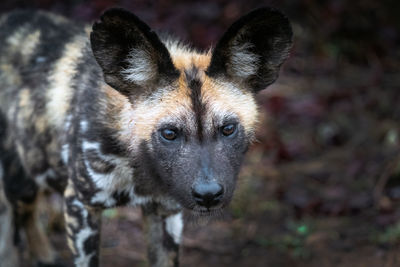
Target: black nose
{"x": 208, "y": 194}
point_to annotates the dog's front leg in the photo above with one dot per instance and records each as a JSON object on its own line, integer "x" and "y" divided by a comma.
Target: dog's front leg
{"x": 163, "y": 234}
{"x": 83, "y": 225}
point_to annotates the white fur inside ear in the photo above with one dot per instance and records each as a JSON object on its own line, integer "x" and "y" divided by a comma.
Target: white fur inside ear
{"x": 141, "y": 68}
{"x": 244, "y": 63}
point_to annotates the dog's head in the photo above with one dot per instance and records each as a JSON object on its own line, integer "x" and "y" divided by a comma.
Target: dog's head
{"x": 189, "y": 117}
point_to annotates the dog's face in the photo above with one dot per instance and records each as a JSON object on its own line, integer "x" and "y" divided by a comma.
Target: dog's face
{"x": 189, "y": 117}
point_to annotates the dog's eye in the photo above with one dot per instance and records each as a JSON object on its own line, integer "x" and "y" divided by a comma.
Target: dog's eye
{"x": 169, "y": 134}
{"x": 228, "y": 129}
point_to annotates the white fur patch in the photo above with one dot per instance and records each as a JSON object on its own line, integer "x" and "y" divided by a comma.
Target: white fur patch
{"x": 243, "y": 62}
{"x": 141, "y": 68}
{"x": 84, "y": 126}
{"x": 41, "y": 178}
{"x": 103, "y": 197}
{"x": 174, "y": 226}
{"x": 180, "y": 50}
{"x": 65, "y": 153}
{"x": 65, "y": 146}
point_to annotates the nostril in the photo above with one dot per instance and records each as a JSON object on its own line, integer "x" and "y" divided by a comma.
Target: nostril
{"x": 207, "y": 194}
{"x": 195, "y": 194}
{"x": 220, "y": 192}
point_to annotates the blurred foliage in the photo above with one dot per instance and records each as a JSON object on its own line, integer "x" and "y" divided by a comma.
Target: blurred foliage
{"x": 390, "y": 236}
{"x": 292, "y": 242}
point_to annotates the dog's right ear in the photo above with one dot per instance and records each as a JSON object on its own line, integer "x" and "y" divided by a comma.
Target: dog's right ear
{"x": 130, "y": 54}
{"x": 253, "y": 49}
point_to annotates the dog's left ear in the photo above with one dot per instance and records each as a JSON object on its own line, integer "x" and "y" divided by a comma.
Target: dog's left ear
{"x": 131, "y": 55}
{"x": 253, "y": 49}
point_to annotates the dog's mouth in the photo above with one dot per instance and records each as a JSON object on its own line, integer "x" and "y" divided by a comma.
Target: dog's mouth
{"x": 203, "y": 212}
{"x": 203, "y": 216}
{"x": 210, "y": 212}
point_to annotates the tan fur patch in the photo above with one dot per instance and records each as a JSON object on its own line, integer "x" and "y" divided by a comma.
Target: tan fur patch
{"x": 23, "y": 42}
{"x": 88, "y": 30}
{"x": 15, "y": 40}
{"x": 36, "y": 235}
{"x": 60, "y": 91}
{"x": 9, "y": 74}
{"x": 25, "y": 108}
{"x": 25, "y": 99}
{"x": 136, "y": 122}
{"x": 70, "y": 221}
{"x": 225, "y": 99}
{"x": 57, "y": 18}
{"x": 31, "y": 41}
{"x": 185, "y": 58}
{"x": 41, "y": 124}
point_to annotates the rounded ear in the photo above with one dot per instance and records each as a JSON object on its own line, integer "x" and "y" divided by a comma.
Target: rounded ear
{"x": 129, "y": 52}
{"x": 253, "y": 49}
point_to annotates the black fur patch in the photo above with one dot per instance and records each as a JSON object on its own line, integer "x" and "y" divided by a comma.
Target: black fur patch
{"x": 90, "y": 245}
{"x": 122, "y": 198}
{"x": 195, "y": 85}
{"x": 147, "y": 179}
{"x": 17, "y": 185}
{"x": 56, "y": 183}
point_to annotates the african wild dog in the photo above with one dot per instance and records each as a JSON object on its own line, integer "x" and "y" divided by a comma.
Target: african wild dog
{"x": 114, "y": 115}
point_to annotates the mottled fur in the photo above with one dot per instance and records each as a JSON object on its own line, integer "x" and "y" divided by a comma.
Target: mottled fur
{"x": 84, "y": 112}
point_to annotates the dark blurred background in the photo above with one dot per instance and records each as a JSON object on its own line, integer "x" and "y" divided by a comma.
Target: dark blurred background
{"x": 321, "y": 186}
